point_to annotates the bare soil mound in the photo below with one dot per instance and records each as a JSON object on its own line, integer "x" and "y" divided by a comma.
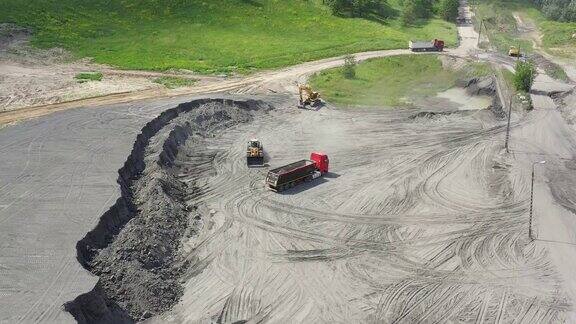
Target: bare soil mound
{"x": 484, "y": 86}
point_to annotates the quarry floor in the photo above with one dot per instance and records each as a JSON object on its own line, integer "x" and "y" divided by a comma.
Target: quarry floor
{"x": 423, "y": 217}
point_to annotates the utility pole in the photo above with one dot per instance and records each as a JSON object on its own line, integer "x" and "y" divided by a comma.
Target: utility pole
{"x": 479, "y": 32}
{"x": 508, "y": 127}
{"x": 532, "y": 201}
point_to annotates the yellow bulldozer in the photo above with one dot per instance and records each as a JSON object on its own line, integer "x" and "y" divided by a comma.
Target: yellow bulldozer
{"x": 514, "y": 51}
{"x": 255, "y": 153}
{"x": 307, "y": 96}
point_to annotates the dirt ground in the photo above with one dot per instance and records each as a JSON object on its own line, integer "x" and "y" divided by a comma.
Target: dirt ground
{"x": 31, "y": 76}
{"x": 414, "y": 223}
{"x": 135, "y": 248}
{"x": 424, "y": 217}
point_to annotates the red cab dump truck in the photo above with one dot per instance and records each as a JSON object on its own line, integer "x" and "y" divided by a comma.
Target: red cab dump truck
{"x": 436, "y": 45}
{"x": 290, "y": 175}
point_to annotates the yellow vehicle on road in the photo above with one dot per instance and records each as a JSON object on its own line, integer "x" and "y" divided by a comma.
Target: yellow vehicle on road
{"x": 514, "y": 51}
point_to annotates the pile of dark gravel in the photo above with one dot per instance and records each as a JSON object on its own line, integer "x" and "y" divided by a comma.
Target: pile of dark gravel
{"x": 135, "y": 248}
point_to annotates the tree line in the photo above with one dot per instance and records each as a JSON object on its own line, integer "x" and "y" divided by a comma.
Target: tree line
{"x": 357, "y": 8}
{"x": 561, "y": 10}
{"x": 412, "y": 10}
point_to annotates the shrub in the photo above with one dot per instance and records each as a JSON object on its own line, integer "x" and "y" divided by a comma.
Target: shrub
{"x": 358, "y": 8}
{"x": 89, "y": 76}
{"x": 408, "y": 13}
{"x": 524, "y": 76}
{"x": 349, "y": 70}
{"x": 449, "y": 9}
{"x": 174, "y": 82}
{"x": 416, "y": 9}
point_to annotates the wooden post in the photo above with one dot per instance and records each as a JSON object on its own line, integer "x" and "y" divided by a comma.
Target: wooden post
{"x": 508, "y": 127}
{"x": 479, "y": 32}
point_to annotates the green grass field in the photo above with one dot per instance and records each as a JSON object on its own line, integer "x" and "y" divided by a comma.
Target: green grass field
{"x": 391, "y": 81}
{"x": 209, "y": 36}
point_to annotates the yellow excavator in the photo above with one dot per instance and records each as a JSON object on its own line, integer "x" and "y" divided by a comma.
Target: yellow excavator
{"x": 255, "y": 153}
{"x": 307, "y": 96}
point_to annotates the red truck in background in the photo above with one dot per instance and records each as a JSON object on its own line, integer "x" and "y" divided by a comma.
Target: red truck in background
{"x": 292, "y": 174}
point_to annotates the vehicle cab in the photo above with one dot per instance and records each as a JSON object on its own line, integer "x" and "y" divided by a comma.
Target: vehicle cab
{"x": 321, "y": 160}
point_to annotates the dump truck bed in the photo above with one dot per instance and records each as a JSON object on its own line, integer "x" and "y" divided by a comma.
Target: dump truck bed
{"x": 291, "y": 167}
{"x": 290, "y": 173}
{"x": 421, "y": 44}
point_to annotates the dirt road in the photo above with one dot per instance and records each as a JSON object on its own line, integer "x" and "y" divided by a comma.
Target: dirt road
{"x": 543, "y": 146}
{"x": 271, "y": 81}
{"x": 545, "y": 142}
